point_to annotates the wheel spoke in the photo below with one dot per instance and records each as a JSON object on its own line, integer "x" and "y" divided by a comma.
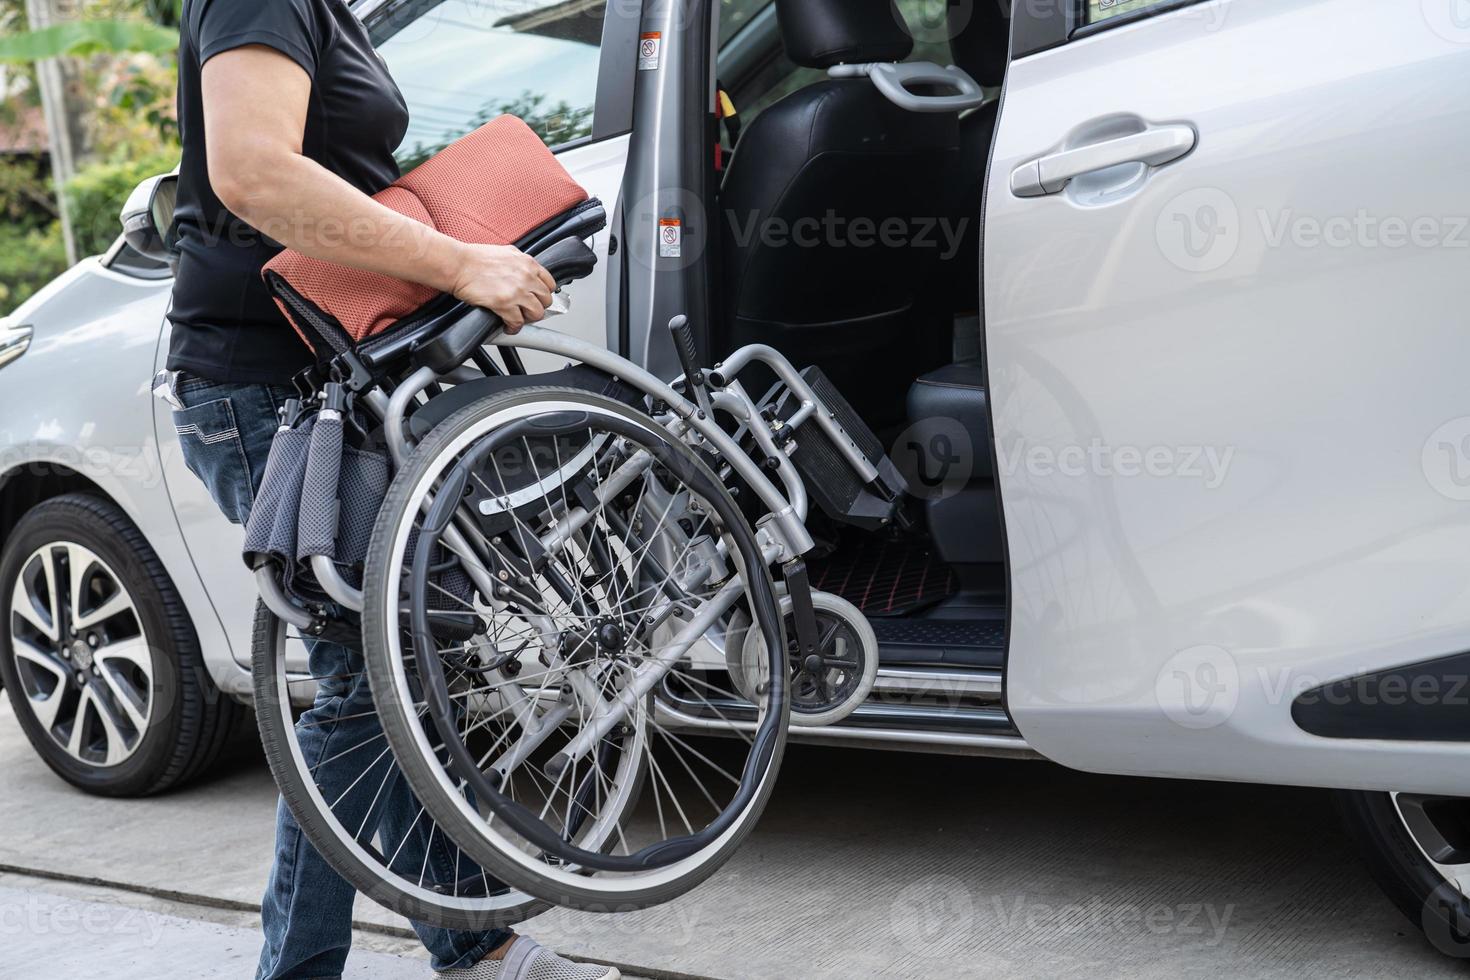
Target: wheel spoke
{"x": 27, "y": 604}
{"x": 117, "y": 746}
{"x": 44, "y": 706}
{"x": 1430, "y": 824}
{"x": 110, "y": 607}
{"x": 675, "y": 739}
{"x": 79, "y": 724}
{"x": 658, "y": 774}
{"x": 134, "y": 651}
{"x": 44, "y": 659}
{"x": 127, "y": 700}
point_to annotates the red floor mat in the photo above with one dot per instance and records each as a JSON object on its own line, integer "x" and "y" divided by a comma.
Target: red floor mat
{"x": 883, "y": 578}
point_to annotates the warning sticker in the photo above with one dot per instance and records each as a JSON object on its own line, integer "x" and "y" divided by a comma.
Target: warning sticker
{"x": 650, "y": 51}
{"x": 670, "y": 238}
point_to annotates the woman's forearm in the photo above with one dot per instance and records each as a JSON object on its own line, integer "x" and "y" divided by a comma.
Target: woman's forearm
{"x": 300, "y": 204}
{"x": 255, "y": 107}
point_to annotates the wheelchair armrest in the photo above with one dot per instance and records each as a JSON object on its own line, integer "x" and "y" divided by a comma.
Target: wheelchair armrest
{"x": 568, "y": 260}
{"x": 454, "y": 345}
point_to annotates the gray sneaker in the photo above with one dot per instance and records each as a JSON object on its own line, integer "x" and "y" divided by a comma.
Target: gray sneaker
{"x": 529, "y": 960}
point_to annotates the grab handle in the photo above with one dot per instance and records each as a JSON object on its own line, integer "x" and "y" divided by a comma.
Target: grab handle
{"x": 897, "y": 83}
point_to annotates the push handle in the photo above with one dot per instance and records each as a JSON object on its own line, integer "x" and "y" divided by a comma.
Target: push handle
{"x": 1052, "y": 173}
{"x": 684, "y": 346}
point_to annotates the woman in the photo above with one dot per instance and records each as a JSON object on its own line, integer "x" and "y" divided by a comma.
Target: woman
{"x": 289, "y": 121}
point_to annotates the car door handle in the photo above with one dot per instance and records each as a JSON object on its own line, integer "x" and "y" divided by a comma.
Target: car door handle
{"x": 14, "y": 341}
{"x": 1050, "y": 174}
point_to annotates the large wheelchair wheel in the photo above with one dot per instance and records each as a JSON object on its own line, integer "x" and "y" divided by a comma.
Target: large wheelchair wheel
{"x": 405, "y": 863}
{"x": 552, "y": 566}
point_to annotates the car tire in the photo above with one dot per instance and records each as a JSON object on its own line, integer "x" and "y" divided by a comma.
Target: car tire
{"x": 150, "y": 716}
{"x": 1396, "y": 835}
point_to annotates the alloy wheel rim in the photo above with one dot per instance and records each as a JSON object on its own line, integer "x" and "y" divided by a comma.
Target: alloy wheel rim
{"x": 81, "y": 654}
{"x": 1438, "y": 827}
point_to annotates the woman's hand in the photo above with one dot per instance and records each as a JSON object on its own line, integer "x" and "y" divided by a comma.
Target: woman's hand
{"x": 505, "y": 281}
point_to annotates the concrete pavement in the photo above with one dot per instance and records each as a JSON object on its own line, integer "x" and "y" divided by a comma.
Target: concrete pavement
{"x": 867, "y": 864}
{"x": 56, "y": 929}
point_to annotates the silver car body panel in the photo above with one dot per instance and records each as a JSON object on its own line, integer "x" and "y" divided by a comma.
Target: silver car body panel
{"x": 79, "y": 398}
{"x": 1229, "y": 392}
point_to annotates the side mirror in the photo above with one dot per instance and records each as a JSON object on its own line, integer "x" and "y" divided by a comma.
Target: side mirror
{"x": 149, "y": 215}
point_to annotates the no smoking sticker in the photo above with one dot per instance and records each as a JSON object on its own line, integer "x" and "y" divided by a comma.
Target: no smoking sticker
{"x": 670, "y": 238}
{"x": 650, "y": 51}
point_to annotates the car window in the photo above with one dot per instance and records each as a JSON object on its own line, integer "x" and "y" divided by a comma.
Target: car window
{"x": 1099, "y": 10}
{"x": 735, "y": 14}
{"x": 129, "y": 261}
{"x": 461, "y": 63}
{"x": 779, "y": 77}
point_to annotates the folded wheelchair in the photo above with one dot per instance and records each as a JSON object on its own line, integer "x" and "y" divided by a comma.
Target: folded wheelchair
{"x": 553, "y": 588}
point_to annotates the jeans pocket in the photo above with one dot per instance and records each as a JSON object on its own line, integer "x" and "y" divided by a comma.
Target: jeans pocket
{"x": 214, "y": 452}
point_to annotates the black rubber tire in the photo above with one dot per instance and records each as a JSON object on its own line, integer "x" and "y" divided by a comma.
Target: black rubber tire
{"x": 421, "y": 773}
{"x": 321, "y": 831}
{"x": 1400, "y": 867}
{"x": 193, "y": 722}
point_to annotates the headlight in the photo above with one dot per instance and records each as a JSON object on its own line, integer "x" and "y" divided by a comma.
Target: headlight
{"x": 15, "y": 340}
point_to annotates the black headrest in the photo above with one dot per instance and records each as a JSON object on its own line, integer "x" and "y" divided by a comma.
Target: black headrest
{"x": 980, "y": 34}
{"x": 823, "y": 33}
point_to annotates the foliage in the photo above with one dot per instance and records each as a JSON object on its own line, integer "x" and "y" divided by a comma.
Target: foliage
{"x": 96, "y": 195}
{"x": 166, "y": 12}
{"x": 555, "y": 124}
{"x": 125, "y": 52}
{"x": 123, "y": 100}
{"x": 25, "y": 193}
{"x": 29, "y": 258}
{"x": 32, "y": 252}
{"x": 136, "y": 107}
{"x": 88, "y": 37}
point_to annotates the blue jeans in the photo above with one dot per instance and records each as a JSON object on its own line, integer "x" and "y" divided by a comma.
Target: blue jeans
{"x": 226, "y": 432}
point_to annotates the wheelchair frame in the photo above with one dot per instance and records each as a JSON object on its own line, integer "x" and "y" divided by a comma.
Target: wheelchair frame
{"x": 688, "y": 409}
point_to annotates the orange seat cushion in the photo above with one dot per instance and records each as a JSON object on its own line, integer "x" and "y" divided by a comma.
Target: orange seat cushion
{"x": 492, "y": 187}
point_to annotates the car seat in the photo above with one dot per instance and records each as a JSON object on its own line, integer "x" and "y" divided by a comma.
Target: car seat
{"x": 815, "y": 179}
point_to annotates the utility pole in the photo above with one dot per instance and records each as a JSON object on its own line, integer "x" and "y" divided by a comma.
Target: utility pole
{"x": 52, "y": 81}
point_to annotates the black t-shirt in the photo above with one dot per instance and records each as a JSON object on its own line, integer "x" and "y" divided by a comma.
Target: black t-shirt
{"x": 226, "y": 328}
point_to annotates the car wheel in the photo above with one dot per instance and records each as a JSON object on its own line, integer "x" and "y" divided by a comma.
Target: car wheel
{"x": 1418, "y": 849}
{"x": 99, "y": 657}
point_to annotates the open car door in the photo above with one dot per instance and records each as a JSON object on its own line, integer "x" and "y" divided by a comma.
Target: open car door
{"x": 1225, "y": 262}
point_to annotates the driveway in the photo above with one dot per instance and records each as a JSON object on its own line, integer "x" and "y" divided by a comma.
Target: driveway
{"x": 867, "y": 864}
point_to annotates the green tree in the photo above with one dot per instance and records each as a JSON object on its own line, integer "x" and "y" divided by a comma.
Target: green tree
{"x": 559, "y": 122}
{"x": 105, "y": 71}
{"x": 79, "y": 38}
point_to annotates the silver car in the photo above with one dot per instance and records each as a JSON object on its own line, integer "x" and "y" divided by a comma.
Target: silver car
{"x": 1181, "y": 392}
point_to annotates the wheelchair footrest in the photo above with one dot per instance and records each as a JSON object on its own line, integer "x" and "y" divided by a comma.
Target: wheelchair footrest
{"x": 830, "y": 479}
